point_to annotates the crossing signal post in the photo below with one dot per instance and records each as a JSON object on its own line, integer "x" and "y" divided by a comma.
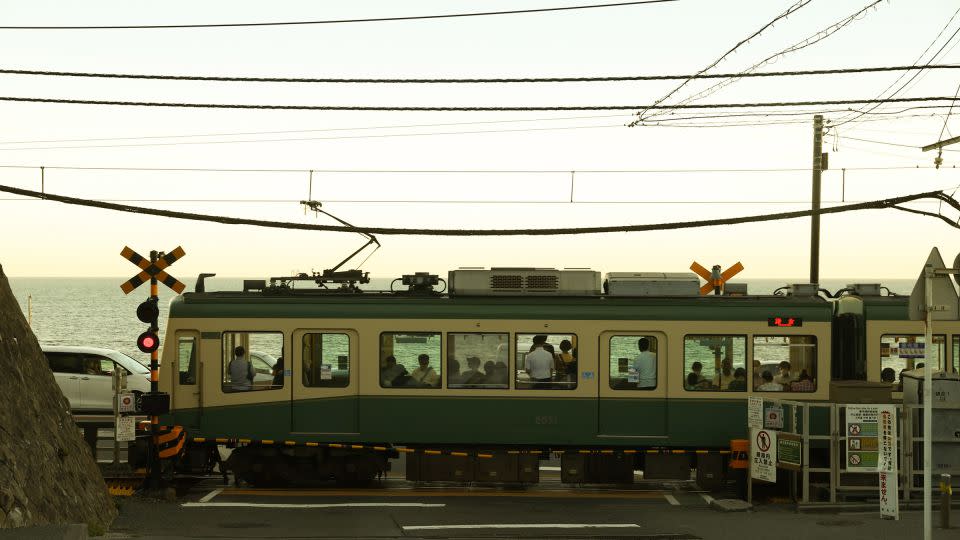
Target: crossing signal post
{"x": 155, "y": 403}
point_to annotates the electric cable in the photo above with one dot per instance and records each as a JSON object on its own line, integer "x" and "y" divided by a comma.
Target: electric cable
{"x": 334, "y": 21}
{"x": 879, "y": 204}
{"x": 471, "y": 80}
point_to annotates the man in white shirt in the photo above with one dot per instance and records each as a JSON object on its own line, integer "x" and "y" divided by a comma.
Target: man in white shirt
{"x": 768, "y": 384}
{"x": 539, "y": 363}
{"x": 645, "y": 365}
{"x": 425, "y": 375}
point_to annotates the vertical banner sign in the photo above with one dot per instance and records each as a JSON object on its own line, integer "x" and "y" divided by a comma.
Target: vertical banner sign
{"x": 755, "y": 412}
{"x": 763, "y": 458}
{"x": 887, "y": 462}
{"x": 862, "y": 438}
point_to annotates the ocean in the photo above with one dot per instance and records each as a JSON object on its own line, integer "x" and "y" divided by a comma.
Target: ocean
{"x": 94, "y": 312}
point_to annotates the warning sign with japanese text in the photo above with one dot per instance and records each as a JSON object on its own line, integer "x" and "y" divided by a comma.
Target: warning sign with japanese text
{"x": 887, "y": 461}
{"x": 763, "y": 459}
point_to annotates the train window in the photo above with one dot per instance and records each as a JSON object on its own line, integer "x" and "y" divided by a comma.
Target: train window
{"x": 715, "y": 363}
{"x": 187, "y": 359}
{"x": 410, "y": 359}
{"x": 633, "y": 362}
{"x": 249, "y": 362}
{"x": 900, "y": 352}
{"x": 546, "y": 362}
{"x": 326, "y": 360}
{"x": 785, "y": 363}
{"x": 478, "y": 360}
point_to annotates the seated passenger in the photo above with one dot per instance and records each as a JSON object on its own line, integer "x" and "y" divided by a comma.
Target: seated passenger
{"x": 425, "y": 375}
{"x": 453, "y": 371}
{"x": 490, "y": 374}
{"x": 725, "y": 374}
{"x": 768, "y": 384}
{"x": 803, "y": 384}
{"x": 696, "y": 370}
{"x": 739, "y": 382}
{"x": 392, "y": 373}
{"x": 472, "y": 375}
{"x": 783, "y": 374}
{"x": 696, "y": 384}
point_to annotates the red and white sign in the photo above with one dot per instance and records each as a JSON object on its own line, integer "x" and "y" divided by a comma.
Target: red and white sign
{"x": 763, "y": 459}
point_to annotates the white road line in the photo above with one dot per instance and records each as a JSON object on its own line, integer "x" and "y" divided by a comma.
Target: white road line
{"x": 211, "y": 495}
{"x": 524, "y": 526}
{"x": 707, "y": 498}
{"x": 334, "y": 505}
{"x": 671, "y": 499}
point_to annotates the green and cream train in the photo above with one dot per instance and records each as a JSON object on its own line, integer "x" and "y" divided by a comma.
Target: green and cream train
{"x": 509, "y": 364}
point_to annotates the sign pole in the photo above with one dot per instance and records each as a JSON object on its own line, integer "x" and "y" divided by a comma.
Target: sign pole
{"x": 928, "y": 406}
{"x": 154, "y": 388}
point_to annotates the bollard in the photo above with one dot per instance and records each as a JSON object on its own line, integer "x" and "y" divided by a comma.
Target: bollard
{"x": 946, "y": 491}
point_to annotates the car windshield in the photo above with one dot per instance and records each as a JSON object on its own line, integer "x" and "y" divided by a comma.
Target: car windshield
{"x": 131, "y": 364}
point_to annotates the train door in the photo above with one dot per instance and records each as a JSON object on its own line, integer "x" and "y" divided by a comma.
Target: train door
{"x": 186, "y": 378}
{"x": 325, "y": 386}
{"x": 632, "y": 385}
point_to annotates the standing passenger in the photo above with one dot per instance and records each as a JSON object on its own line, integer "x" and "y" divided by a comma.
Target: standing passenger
{"x": 539, "y": 363}
{"x": 646, "y": 365}
{"x": 392, "y": 372}
{"x": 241, "y": 372}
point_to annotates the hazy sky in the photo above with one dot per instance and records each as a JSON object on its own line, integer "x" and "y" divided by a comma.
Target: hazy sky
{"x": 42, "y": 238}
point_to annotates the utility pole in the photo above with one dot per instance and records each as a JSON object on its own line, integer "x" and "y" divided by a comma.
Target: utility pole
{"x": 815, "y": 198}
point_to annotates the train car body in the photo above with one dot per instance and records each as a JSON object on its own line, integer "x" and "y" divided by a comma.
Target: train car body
{"x": 331, "y": 385}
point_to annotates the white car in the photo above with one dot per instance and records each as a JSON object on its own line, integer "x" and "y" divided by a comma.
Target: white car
{"x": 262, "y": 364}
{"x": 85, "y": 375}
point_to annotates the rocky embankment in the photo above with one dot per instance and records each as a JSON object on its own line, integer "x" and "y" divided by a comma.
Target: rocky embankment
{"x": 47, "y": 472}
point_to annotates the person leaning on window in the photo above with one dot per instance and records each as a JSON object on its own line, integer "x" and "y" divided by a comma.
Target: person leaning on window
{"x": 241, "y": 372}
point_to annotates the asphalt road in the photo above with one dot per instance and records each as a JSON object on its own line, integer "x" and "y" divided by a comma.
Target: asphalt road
{"x": 398, "y": 509}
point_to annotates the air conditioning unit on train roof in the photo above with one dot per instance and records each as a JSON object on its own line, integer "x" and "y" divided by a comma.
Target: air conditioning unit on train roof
{"x": 525, "y": 281}
{"x": 653, "y": 284}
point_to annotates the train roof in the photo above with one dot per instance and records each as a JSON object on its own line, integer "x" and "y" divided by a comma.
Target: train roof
{"x": 370, "y": 305}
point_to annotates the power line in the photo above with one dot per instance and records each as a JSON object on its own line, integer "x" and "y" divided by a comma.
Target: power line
{"x": 800, "y": 4}
{"x": 495, "y": 108}
{"x": 455, "y": 201}
{"x": 880, "y": 204}
{"x": 471, "y": 80}
{"x": 447, "y": 171}
{"x": 335, "y": 21}
{"x": 659, "y": 122}
{"x": 802, "y": 44}
{"x": 848, "y": 119}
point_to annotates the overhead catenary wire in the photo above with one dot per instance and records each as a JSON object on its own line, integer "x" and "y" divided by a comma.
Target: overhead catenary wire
{"x": 802, "y": 44}
{"x": 469, "y": 80}
{"x": 848, "y": 119}
{"x": 719, "y": 115}
{"x": 474, "y": 108}
{"x": 793, "y": 8}
{"x": 447, "y": 171}
{"x": 337, "y": 21}
{"x": 227, "y": 220}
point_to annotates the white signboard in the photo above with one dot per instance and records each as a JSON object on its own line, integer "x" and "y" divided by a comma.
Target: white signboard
{"x": 125, "y": 428}
{"x": 862, "y": 430}
{"x": 126, "y": 403}
{"x": 773, "y": 418}
{"x": 755, "y": 412}
{"x": 887, "y": 462}
{"x": 763, "y": 454}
